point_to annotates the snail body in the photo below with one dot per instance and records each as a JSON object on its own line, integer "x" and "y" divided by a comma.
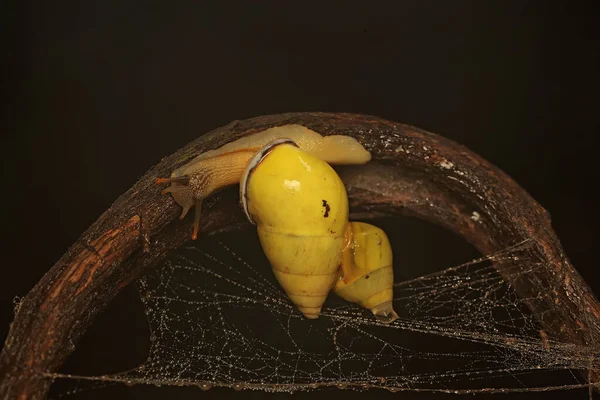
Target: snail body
{"x": 333, "y": 149}
{"x": 300, "y": 207}
{"x": 367, "y": 274}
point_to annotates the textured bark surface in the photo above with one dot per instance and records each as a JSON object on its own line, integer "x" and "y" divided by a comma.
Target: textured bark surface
{"x": 414, "y": 172}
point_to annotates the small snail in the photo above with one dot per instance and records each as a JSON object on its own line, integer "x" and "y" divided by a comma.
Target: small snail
{"x": 216, "y": 169}
{"x": 367, "y": 274}
{"x": 300, "y": 207}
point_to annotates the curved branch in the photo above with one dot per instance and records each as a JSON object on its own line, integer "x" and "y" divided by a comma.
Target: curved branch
{"x": 415, "y": 172}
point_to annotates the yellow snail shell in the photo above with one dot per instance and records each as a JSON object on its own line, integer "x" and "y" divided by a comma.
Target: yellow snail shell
{"x": 367, "y": 275}
{"x": 300, "y": 207}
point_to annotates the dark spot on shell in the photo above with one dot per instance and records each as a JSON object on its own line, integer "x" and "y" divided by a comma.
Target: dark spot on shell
{"x": 327, "y": 208}
{"x": 367, "y": 276}
{"x": 332, "y": 232}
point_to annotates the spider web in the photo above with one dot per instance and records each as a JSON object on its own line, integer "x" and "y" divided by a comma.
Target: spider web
{"x": 218, "y": 317}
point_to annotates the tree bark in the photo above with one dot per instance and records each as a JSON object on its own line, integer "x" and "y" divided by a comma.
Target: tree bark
{"x": 413, "y": 171}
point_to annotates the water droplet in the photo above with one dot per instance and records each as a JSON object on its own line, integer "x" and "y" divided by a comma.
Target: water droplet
{"x": 393, "y": 389}
{"x": 237, "y": 386}
{"x": 206, "y": 386}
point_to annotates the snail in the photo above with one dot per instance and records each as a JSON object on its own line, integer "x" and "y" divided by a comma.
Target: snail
{"x": 366, "y": 274}
{"x": 216, "y": 169}
{"x": 300, "y": 207}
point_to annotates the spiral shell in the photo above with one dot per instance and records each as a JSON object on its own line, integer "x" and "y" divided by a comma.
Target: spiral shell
{"x": 300, "y": 207}
{"x": 367, "y": 270}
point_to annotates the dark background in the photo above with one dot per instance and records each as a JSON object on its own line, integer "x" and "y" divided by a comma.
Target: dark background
{"x": 95, "y": 93}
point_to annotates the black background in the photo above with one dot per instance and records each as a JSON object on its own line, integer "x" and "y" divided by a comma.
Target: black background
{"x": 95, "y": 93}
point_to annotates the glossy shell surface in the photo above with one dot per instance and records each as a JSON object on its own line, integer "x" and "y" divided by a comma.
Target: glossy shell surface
{"x": 300, "y": 207}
